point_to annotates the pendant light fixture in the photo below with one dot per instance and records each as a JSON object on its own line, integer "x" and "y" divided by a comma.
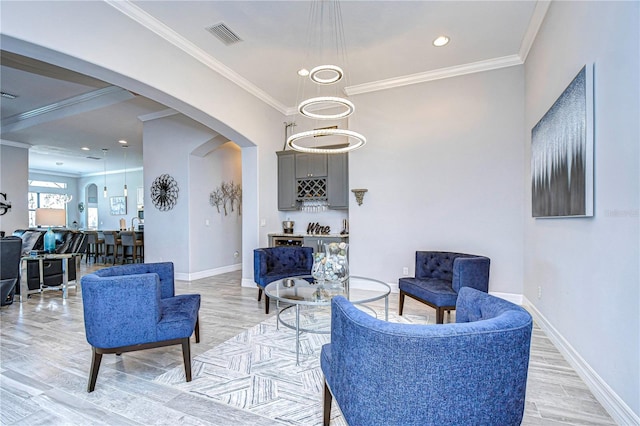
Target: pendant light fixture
{"x": 104, "y": 154}
{"x": 327, "y": 57}
{"x": 125, "y": 169}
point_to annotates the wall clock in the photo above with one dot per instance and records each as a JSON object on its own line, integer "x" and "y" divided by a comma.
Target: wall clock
{"x": 164, "y": 192}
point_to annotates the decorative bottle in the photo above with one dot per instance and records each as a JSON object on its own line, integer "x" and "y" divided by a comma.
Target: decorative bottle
{"x": 49, "y": 241}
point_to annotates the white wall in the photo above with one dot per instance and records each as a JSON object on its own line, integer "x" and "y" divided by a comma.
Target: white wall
{"x": 166, "y": 146}
{"x": 14, "y": 176}
{"x": 443, "y": 165}
{"x": 588, "y": 269}
{"x": 215, "y": 237}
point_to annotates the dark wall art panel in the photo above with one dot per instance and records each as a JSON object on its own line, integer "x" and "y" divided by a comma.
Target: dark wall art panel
{"x": 562, "y": 153}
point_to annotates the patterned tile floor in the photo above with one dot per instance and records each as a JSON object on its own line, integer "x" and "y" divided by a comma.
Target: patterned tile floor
{"x": 44, "y": 364}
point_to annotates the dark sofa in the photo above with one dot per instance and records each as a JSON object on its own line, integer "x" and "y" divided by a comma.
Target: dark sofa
{"x": 67, "y": 241}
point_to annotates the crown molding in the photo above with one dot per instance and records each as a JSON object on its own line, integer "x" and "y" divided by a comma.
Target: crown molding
{"x": 154, "y": 25}
{"x": 539, "y": 12}
{"x": 156, "y": 115}
{"x": 85, "y": 102}
{"x": 480, "y": 66}
{"x": 15, "y": 144}
{"x": 132, "y": 11}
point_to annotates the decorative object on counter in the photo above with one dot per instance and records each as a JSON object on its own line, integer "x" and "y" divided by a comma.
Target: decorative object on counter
{"x": 317, "y": 229}
{"x": 227, "y": 193}
{"x": 118, "y": 206}
{"x": 287, "y": 226}
{"x": 325, "y": 28}
{"x": 164, "y": 192}
{"x": 345, "y": 227}
{"x": 5, "y": 205}
{"x": 359, "y": 195}
{"x": 49, "y": 241}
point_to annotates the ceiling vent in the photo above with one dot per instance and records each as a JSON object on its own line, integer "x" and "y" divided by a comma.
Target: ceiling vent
{"x": 94, "y": 158}
{"x": 224, "y": 34}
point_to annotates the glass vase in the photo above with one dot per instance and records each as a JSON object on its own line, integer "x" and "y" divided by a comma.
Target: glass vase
{"x": 336, "y": 266}
{"x": 318, "y": 268}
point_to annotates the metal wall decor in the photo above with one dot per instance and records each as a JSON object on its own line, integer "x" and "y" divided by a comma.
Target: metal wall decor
{"x": 5, "y": 205}
{"x": 227, "y": 193}
{"x": 164, "y": 192}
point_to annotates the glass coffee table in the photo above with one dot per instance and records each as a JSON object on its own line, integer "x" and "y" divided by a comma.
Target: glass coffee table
{"x": 303, "y": 293}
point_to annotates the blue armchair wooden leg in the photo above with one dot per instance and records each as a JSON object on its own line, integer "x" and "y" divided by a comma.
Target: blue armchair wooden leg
{"x": 197, "y": 330}
{"x": 401, "y": 300}
{"x": 259, "y": 293}
{"x": 266, "y": 304}
{"x": 326, "y": 412}
{"x": 186, "y": 355}
{"x": 95, "y": 366}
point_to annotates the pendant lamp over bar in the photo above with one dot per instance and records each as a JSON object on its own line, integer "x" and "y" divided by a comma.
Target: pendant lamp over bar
{"x": 327, "y": 103}
{"x": 125, "y": 169}
{"x": 104, "y": 154}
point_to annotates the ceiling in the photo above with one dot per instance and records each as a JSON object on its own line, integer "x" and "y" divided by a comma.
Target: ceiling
{"x": 388, "y": 43}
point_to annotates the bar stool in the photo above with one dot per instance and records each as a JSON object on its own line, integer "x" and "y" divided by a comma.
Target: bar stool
{"x": 93, "y": 244}
{"x": 112, "y": 245}
{"x": 100, "y": 247}
{"x": 131, "y": 247}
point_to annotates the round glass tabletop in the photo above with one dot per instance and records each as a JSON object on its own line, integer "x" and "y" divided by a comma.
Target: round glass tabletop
{"x": 304, "y": 290}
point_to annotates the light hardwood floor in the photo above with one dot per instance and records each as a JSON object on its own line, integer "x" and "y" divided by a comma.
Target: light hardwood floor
{"x": 44, "y": 364}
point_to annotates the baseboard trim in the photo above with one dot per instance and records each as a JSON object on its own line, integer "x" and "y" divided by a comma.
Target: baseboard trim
{"x": 615, "y": 406}
{"x": 207, "y": 273}
{"x": 248, "y": 282}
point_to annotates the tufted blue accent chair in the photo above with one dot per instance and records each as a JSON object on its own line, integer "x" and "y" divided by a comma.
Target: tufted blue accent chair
{"x": 440, "y": 276}
{"x": 275, "y": 263}
{"x": 133, "y": 307}
{"x": 473, "y": 372}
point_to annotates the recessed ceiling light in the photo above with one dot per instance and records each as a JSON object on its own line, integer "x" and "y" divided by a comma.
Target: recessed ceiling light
{"x": 84, "y": 148}
{"x": 303, "y": 72}
{"x": 59, "y": 163}
{"x": 122, "y": 141}
{"x": 441, "y": 41}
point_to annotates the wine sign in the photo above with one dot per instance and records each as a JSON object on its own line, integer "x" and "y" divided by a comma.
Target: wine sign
{"x": 316, "y": 228}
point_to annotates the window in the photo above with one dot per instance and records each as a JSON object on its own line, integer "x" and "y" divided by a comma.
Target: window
{"x": 44, "y": 200}
{"x": 45, "y": 184}
{"x": 92, "y": 217}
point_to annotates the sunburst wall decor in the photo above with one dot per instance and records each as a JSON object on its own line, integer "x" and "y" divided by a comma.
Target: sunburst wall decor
{"x": 164, "y": 192}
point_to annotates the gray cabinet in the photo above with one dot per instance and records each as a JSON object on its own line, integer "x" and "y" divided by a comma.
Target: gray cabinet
{"x": 303, "y": 176}
{"x": 317, "y": 242}
{"x": 287, "y": 181}
{"x": 311, "y": 165}
{"x": 338, "y": 181}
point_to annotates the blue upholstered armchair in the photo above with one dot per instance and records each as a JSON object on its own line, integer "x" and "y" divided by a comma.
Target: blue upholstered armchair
{"x": 133, "y": 307}
{"x": 473, "y": 372}
{"x": 439, "y": 278}
{"x": 275, "y": 263}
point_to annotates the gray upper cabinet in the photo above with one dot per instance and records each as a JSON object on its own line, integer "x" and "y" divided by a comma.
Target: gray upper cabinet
{"x": 297, "y": 171}
{"x": 338, "y": 181}
{"x": 311, "y": 165}
{"x": 287, "y": 181}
